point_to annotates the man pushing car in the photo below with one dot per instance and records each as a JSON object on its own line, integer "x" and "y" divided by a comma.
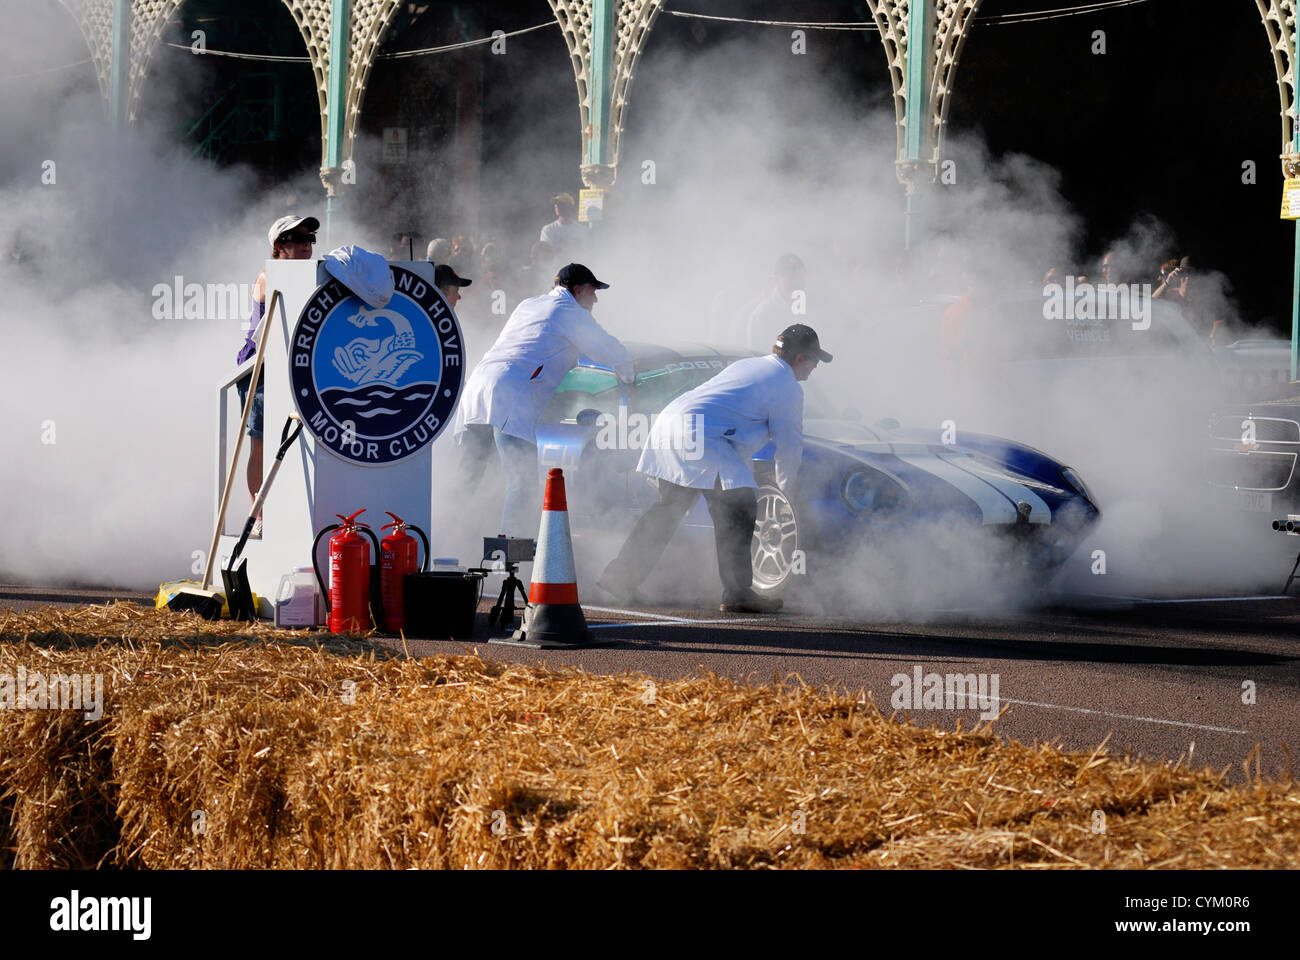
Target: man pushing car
{"x": 509, "y": 389}
{"x": 702, "y": 443}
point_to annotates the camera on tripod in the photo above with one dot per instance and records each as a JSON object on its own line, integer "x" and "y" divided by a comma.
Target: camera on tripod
{"x": 513, "y": 549}
{"x": 509, "y": 551}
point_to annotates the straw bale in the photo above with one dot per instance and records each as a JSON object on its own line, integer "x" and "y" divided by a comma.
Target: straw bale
{"x": 338, "y": 754}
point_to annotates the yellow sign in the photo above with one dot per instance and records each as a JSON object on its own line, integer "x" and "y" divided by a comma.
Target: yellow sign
{"x": 1291, "y": 200}
{"x": 591, "y": 204}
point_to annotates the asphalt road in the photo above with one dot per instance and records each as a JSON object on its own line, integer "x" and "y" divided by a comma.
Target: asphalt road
{"x": 1167, "y": 679}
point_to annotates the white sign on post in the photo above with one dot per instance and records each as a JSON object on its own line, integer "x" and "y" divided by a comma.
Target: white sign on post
{"x": 394, "y": 145}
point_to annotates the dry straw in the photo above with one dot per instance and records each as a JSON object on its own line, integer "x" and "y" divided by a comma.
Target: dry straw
{"x": 224, "y": 745}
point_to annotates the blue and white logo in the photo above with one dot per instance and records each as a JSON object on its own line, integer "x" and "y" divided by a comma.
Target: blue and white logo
{"x": 377, "y": 385}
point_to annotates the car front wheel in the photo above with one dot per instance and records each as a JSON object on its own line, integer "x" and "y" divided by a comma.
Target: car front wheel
{"x": 774, "y": 548}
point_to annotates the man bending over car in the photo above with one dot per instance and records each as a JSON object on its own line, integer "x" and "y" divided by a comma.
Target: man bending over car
{"x": 735, "y": 414}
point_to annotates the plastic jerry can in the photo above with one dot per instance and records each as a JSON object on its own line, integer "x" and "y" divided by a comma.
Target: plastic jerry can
{"x": 297, "y": 600}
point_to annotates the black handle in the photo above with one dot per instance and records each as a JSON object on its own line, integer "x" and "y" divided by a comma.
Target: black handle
{"x": 425, "y": 568}
{"x": 376, "y": 593}
{"x": 287, "y": 436}
{"x": 324, "y": 592}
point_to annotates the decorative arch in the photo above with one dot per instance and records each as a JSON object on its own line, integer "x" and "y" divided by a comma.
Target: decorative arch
{"x": 952, "y": 24}
{"x": 95, "y": 18}
{"x": 368, "y": 22}
{"x": 635, "y": 18}
{"x": 1279, "y": 23}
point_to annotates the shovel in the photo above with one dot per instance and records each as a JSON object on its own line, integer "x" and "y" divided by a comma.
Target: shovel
{"x": 239, "y": 596}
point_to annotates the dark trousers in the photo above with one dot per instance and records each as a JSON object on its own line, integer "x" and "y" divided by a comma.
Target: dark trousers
{"x": 733, "y": 513}
{"x": 518, "y": 458}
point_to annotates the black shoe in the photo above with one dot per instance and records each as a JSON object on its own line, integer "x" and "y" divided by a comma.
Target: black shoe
{"x": 752, "y": 604}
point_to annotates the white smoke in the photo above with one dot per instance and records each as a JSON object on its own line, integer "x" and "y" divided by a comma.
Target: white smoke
{"x": 732, "y": 156}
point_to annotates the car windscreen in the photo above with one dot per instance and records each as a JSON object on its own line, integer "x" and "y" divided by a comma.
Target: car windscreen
{"x": 589, "y": 388}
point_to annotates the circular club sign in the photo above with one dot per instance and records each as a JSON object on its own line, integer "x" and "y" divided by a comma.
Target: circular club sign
{"x": 376, "y": 385}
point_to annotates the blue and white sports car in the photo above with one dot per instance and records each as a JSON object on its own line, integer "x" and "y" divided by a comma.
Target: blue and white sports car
{"x": 859, "y": 485}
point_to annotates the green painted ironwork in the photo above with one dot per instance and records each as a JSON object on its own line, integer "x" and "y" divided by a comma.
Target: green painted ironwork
{"x": 248, "y": 111}
{"x": 119, "y": 64}
{"x": 917, "y": 110}
{"x": 920, "y": 52}
{"x": 600, "y": 82}
{"x": 336, "y": 98}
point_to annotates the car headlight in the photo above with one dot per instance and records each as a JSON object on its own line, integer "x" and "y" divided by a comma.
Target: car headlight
{"x": 1076, "y": 481}
{"x": 858, "y": 491}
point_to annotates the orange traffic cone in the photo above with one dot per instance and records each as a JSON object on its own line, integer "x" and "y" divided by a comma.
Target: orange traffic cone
{"x": 554, "y": 617}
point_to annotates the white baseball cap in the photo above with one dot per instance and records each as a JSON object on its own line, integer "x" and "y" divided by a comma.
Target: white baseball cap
{"x": 291, "y": 222}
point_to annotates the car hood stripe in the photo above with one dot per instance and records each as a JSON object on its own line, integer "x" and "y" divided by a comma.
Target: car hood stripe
{"x": 995, "y": 508}
{"x": 1039, "y": 511}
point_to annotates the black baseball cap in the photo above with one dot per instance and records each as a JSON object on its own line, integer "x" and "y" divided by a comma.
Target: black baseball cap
{"x": 445, "y": 276}
{"x": 800, "y": 338}
{"x": 572, "y": 274}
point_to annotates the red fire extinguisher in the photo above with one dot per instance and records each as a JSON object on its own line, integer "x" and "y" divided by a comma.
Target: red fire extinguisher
{"x": 350, "y": 592}
{"x": 399, "y": 553}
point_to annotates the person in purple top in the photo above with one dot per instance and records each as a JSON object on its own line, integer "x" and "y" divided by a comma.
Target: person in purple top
{"x": 291, "y": 238}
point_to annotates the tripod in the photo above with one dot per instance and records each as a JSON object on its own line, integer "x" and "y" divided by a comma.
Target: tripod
{"x": 503, "y": 611}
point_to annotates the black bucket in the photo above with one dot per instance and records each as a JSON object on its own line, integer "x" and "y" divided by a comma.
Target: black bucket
{"x": 440, "y": 605}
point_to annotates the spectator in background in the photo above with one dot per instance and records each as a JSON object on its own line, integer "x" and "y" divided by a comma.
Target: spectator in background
{"x": 449, "y": 284}
{"x": 490, "y": 257}
{"x": 1165, "y": 269}
{"x": 778, "y": 309}
{"x": 402, "y": 246}
{"x": 462, "y": 254}
{"x": 493, "y": 265}
{"x": 535, "y": 275}
{"x": 1174, "y": 278}
{"x": 953, "y": 344}
{"x": 291, "y": 238}
{"x": 1181, "y": 285}
{"x": 1106, "y": 272}
{"x": 565, "y": 234}
{"x": 439, "y": 250}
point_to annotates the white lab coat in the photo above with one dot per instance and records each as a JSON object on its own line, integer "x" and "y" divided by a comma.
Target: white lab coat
{"x": 739, "y": 410}
{"x": 540, "y": 343}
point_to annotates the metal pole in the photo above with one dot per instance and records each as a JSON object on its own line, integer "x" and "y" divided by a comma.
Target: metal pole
{"x": 1295, "y": 271}
{"x": 336, "y": 104}
{"x": 604, "y": 21}
{"x": 917, "y": 110}
{"x": 119, "y": 78}
{"x": 1295, "y": 305}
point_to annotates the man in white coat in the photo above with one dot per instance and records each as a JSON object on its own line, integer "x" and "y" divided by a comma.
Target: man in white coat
{"x": 508, "y": 391}
{"x": 702, "y": 443}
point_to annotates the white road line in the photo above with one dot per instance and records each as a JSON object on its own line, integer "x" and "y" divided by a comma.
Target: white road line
{"x": 674, "y": 622}
{"x": 1124, "y": 716}
{"x": 664, "y": 618}
{"x": 1108, "y": 596}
